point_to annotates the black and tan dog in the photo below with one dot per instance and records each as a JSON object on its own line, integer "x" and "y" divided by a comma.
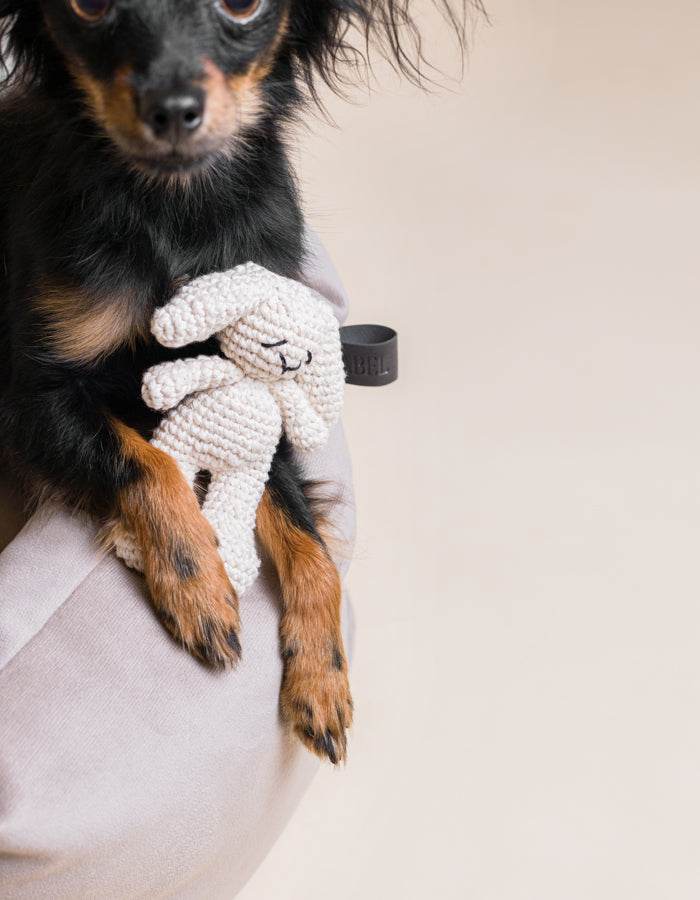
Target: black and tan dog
{"x": 141, "y": 144}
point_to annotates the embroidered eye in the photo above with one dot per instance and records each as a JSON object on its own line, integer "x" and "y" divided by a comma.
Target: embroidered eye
{"x": 241, "y": 10}
{"x": 91, "y": 10}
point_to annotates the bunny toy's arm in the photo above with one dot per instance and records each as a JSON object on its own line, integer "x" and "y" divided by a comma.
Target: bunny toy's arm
{"x": 166, "y": 384}
{"x": 303, "y": 426}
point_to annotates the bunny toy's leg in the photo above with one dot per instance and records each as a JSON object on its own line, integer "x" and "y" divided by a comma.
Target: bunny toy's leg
{"x": 230, "y": 506}
{"x": 244, "y": 427}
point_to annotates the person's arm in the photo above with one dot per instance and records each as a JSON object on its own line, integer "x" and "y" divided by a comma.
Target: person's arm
{"x": 62, "y": 600}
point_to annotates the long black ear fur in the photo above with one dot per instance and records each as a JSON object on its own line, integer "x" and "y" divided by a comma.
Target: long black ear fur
{"x": 332, "y": 38}
{"x": 20, "y": 53}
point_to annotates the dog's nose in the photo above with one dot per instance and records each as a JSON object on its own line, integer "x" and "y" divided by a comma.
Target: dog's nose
{"x": 173, "y": 115}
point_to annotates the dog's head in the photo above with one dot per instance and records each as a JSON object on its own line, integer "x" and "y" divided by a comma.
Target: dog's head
{"x": 177, "y": 83}
{"x": 173, "y": 83}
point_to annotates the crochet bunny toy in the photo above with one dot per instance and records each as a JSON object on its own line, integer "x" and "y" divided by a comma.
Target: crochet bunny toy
{"x": 282, "y": 370}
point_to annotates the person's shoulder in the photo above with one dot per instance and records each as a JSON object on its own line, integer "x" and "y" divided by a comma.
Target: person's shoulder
{"x": 319, "y": 272}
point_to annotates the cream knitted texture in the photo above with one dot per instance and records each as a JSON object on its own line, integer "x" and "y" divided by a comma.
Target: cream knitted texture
{"x": 165, "y": 385}
{"x": 283, "y": 370}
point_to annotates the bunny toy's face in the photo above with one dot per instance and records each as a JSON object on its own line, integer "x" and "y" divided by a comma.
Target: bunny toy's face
{"x": 273, "y": 360}
{"x": 276, "y": 342}
{"x": 285, "y": 357}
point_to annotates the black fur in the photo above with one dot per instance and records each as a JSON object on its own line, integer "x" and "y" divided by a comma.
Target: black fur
{"x": 73, "y": 209}
{"x": 338, "y": 660}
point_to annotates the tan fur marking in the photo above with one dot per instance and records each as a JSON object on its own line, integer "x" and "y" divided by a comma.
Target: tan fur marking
{"x": 112, "y": 103}
{"x": 233, "y": 103}
{"x": 83, "y": 329}
{"x": 315, "y": 696}
{"x": 184, "y": 572}
{"x": 237, "y": 99}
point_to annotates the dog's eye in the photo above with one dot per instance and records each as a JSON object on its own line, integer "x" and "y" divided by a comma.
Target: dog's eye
{"x": 91, "y": 10}
{"x": 241, "y": 10}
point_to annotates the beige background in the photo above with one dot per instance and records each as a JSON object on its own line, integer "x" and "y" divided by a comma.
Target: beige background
{"x": 527, "y": 577}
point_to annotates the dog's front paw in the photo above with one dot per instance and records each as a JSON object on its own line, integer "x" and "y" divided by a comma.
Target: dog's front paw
{"x": 316, "y": 700}
{"x": 201, "y": 613}
{"x": 195, "y": 600}
{"x": 191, "y": 593}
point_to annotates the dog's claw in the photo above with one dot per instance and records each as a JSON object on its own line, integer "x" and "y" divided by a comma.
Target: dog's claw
{"x": 315, "y": 699}
{"x": 329, "y": 747}
{"x": 234, "y": 643}
{"x": 219, "y": 649}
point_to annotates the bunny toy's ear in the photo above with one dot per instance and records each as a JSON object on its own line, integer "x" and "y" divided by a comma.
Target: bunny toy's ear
{"x": 210, "y": 303}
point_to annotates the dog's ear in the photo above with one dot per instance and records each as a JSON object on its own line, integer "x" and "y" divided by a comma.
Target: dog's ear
{"x": 20, "y": 47}
{"x": 10, "y": 8}
{"x": 333, "y": 38}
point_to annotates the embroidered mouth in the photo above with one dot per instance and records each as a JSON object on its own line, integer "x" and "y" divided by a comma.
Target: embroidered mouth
{"x": 286, "y": 367}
